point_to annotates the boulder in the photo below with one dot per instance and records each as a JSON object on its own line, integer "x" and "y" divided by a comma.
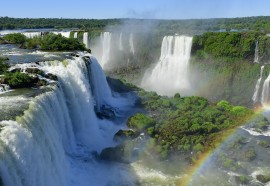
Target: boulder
{"x": 51, "y": 76}
{"x": 124, "y": 153}
{"x": 35, "y": 71}
{"x": 106, "y": 112}
{"x": 118, "y": 86}
{"x": 41, "y": 82}
{"x": 263, "y": 178}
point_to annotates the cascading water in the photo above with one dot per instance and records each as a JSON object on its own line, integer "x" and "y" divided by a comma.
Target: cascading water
{"x": 102, "y": 92}
{"x": 4, "y": 88}
{"x": 257, "y": 87}
{"x": 131, "y": 44}
{"x": 170, "y": 75}
{"x": 85, "y": 39}
{"x": 120, "y": 42}
{"x": 32, "y": 34}
{"x": 106, "y": 48}
{"x": 256, "y": 55}
{"x": 265, "y": 91}
{"x": 75, "y": 35}
{"x": 50, "y": 143}
{"x": 63, "y": 33}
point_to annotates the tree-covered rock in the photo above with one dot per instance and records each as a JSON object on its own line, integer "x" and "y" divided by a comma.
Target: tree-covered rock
{"x": 16, "y": 38}
{"x": 263, "y": 178}
{"x": 19, "y": 80}
{"x": 58, "y": 42}
{"x": 230, "y": 46}
{"x": 123, "y": 135}
{"x": 180, "y": 125}
{"x": 140, "y": 121}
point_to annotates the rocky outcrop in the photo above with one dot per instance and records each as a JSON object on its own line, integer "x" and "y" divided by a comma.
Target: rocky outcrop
{"x": 124, "y": 153}
{"x": 106, "y": 112}
{"x": 118, "y": 86}
{"x": 263, "y": 178}
{"x": 51, "y": 76}
{"x": 123, "y": 135}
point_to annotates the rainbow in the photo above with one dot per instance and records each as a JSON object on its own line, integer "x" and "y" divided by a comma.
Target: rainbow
{"x": 205, "y": 159}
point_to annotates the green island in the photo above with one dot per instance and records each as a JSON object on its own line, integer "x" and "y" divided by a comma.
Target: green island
{"x": 49, "y": 42}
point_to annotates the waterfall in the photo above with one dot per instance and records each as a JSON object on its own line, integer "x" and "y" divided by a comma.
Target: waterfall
{"x": 75, "y": 35}
{"x": 170, "y": 75}
{"x": 106, "y": 48}
{"x": 36, "y": 148}
{"x": 63, "y": 33}
{"x": 120, "y": 42}
{"x": 265, "y": 91}
{"x": 32, "y": 34}
{"x": 256, "y": 55}
{"x": 257, "y": 87}
{"x": 85, "y": 39}
{"x": 131, "y": 44}
{"x": 102, "y": 92}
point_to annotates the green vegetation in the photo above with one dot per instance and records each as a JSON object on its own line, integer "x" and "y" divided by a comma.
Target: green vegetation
{"x": 140, "y": 122}
{"x": 3, "y": 65}
{"x": 181, "y": 125}
{"x": 27, "y": 23}
{"x": 250, "y": 154}
{"x": 49, "y": 42}
{"x": 33, "y": 43}
{"x": 59, "y": 43}
{"x": 18, "y": 80}
{"x": 15, "y": 38}
{"x": 242, "y": 180}
{"x": 263, "y": 178}
{"x": 164, "y": 26}
{"x": 227, "y": 46}
{"x": 232, "y": 81}
{"x": 264, "y": 144}
{"x": 228, "y": 163}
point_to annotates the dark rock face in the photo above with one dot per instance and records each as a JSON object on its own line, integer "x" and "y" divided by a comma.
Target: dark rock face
{"x": 51, "y": 76}
{"x": 123, "y": 135}
{"x": 263, "y": 178}
{"x": 106, "y": 112}
{"x": 117, "y": 86}
{"x": 15, "y": 70}
{"x": 42, "y": 82}
{"x": 122, "y": 153}
{"x": 35, "y": 71}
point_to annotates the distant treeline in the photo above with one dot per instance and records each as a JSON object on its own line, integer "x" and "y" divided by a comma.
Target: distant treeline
{"x": 30, "y": 23}
{"x": 191, "y": 26}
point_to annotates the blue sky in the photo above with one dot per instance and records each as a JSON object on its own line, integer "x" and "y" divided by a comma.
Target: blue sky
{"x": 159, "y": 9}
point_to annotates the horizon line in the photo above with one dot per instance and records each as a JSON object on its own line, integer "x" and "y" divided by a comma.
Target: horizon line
{"x": 158, "y": 19}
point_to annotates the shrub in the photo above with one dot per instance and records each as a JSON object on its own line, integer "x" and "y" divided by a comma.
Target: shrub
{"x": 3, "y": 65}
{"x": 15, "y": 38}
{"x": 225, "y": 105}
{"x": 140, "y": 121}
{"x": 60, "y": 43}
{"x": 18, "y": 80}
{"x": 240, "y": 111}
